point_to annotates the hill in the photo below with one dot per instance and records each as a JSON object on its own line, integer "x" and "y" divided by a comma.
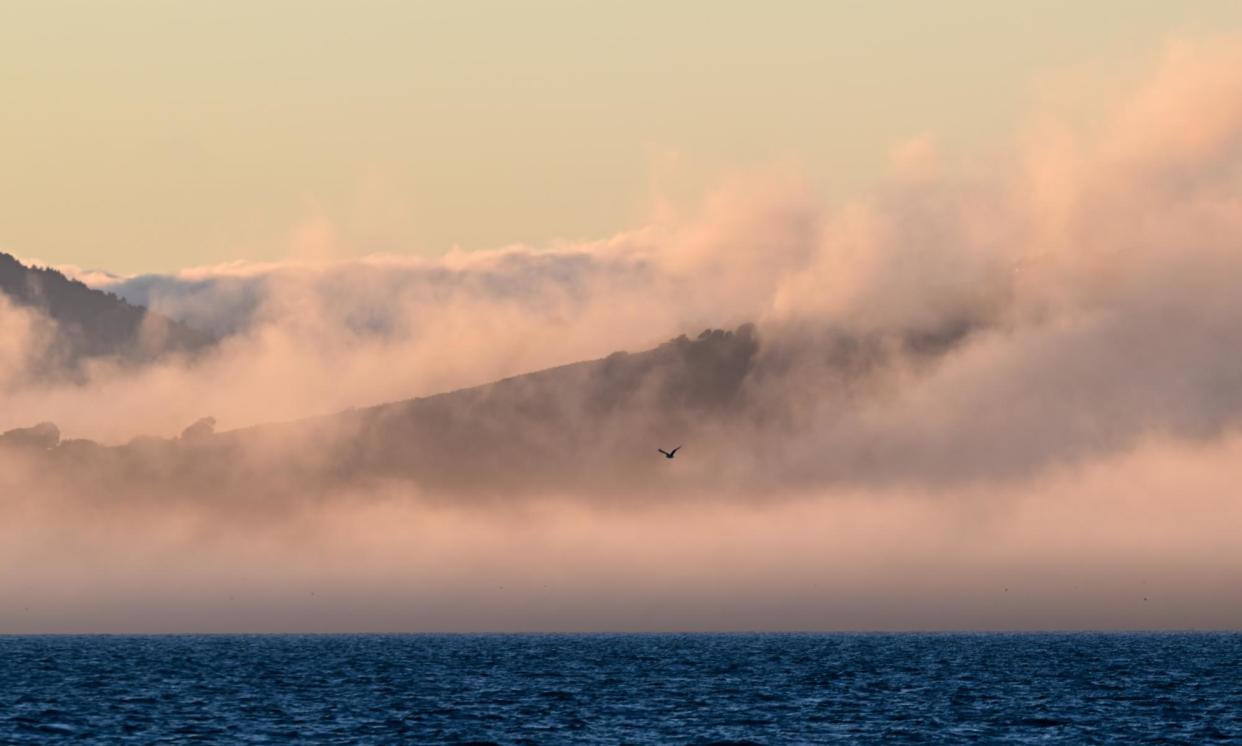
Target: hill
{"x": 91, "y": 323}
{"x": 585, "y": 428}
{"x": 595, "y": 422}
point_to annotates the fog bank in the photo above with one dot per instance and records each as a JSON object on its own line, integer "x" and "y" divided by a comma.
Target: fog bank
{"x": 1019, "y": 371}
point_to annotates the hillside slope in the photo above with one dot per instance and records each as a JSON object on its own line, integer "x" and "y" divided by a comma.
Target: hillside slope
{"x": 591, "y": 427}
{"x": 92, "y": 323}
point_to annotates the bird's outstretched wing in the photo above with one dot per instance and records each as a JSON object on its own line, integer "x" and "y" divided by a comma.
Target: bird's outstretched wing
{"x": 666, "y": 453}
{"x": 674, "y": 451}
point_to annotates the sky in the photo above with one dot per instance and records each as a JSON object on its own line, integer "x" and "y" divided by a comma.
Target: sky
{"x": 153, "y": 136}
{"x": 989, "y": 253}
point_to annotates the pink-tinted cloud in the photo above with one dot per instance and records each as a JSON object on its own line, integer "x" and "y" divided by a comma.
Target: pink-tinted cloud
{"x": 1019, "y": 376}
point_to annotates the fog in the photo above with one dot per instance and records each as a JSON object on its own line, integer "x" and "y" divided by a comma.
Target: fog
{"x": 1141, "y": 542}
{"x": 1018, "y": 371}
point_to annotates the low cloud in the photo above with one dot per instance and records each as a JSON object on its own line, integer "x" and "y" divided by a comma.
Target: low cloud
{"x": 1053, "y": 331}
{"x": 1071, "y": 300}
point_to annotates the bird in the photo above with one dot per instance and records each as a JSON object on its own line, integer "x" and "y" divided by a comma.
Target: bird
{"x": 669, "y": 454}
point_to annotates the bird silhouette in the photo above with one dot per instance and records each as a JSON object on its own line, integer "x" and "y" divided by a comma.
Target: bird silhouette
{"x": 669, "y": 454}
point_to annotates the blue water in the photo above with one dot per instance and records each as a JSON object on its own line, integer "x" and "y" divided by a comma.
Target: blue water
{"x": 667, "y": 689}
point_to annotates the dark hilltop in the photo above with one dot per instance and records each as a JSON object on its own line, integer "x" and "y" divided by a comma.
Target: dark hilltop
{"x": 91, "y": 324}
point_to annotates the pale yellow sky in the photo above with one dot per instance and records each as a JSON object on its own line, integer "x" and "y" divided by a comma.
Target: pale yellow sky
{"x": 143, "y": 136}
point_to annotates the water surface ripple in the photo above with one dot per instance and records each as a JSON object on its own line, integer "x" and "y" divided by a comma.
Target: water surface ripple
{"x": 613, "y": 689}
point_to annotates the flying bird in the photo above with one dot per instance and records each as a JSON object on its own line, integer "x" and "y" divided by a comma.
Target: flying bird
{"x": 669, "y": 454}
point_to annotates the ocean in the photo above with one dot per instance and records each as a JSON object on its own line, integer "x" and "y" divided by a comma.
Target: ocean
{"x": 618, "y": 689}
